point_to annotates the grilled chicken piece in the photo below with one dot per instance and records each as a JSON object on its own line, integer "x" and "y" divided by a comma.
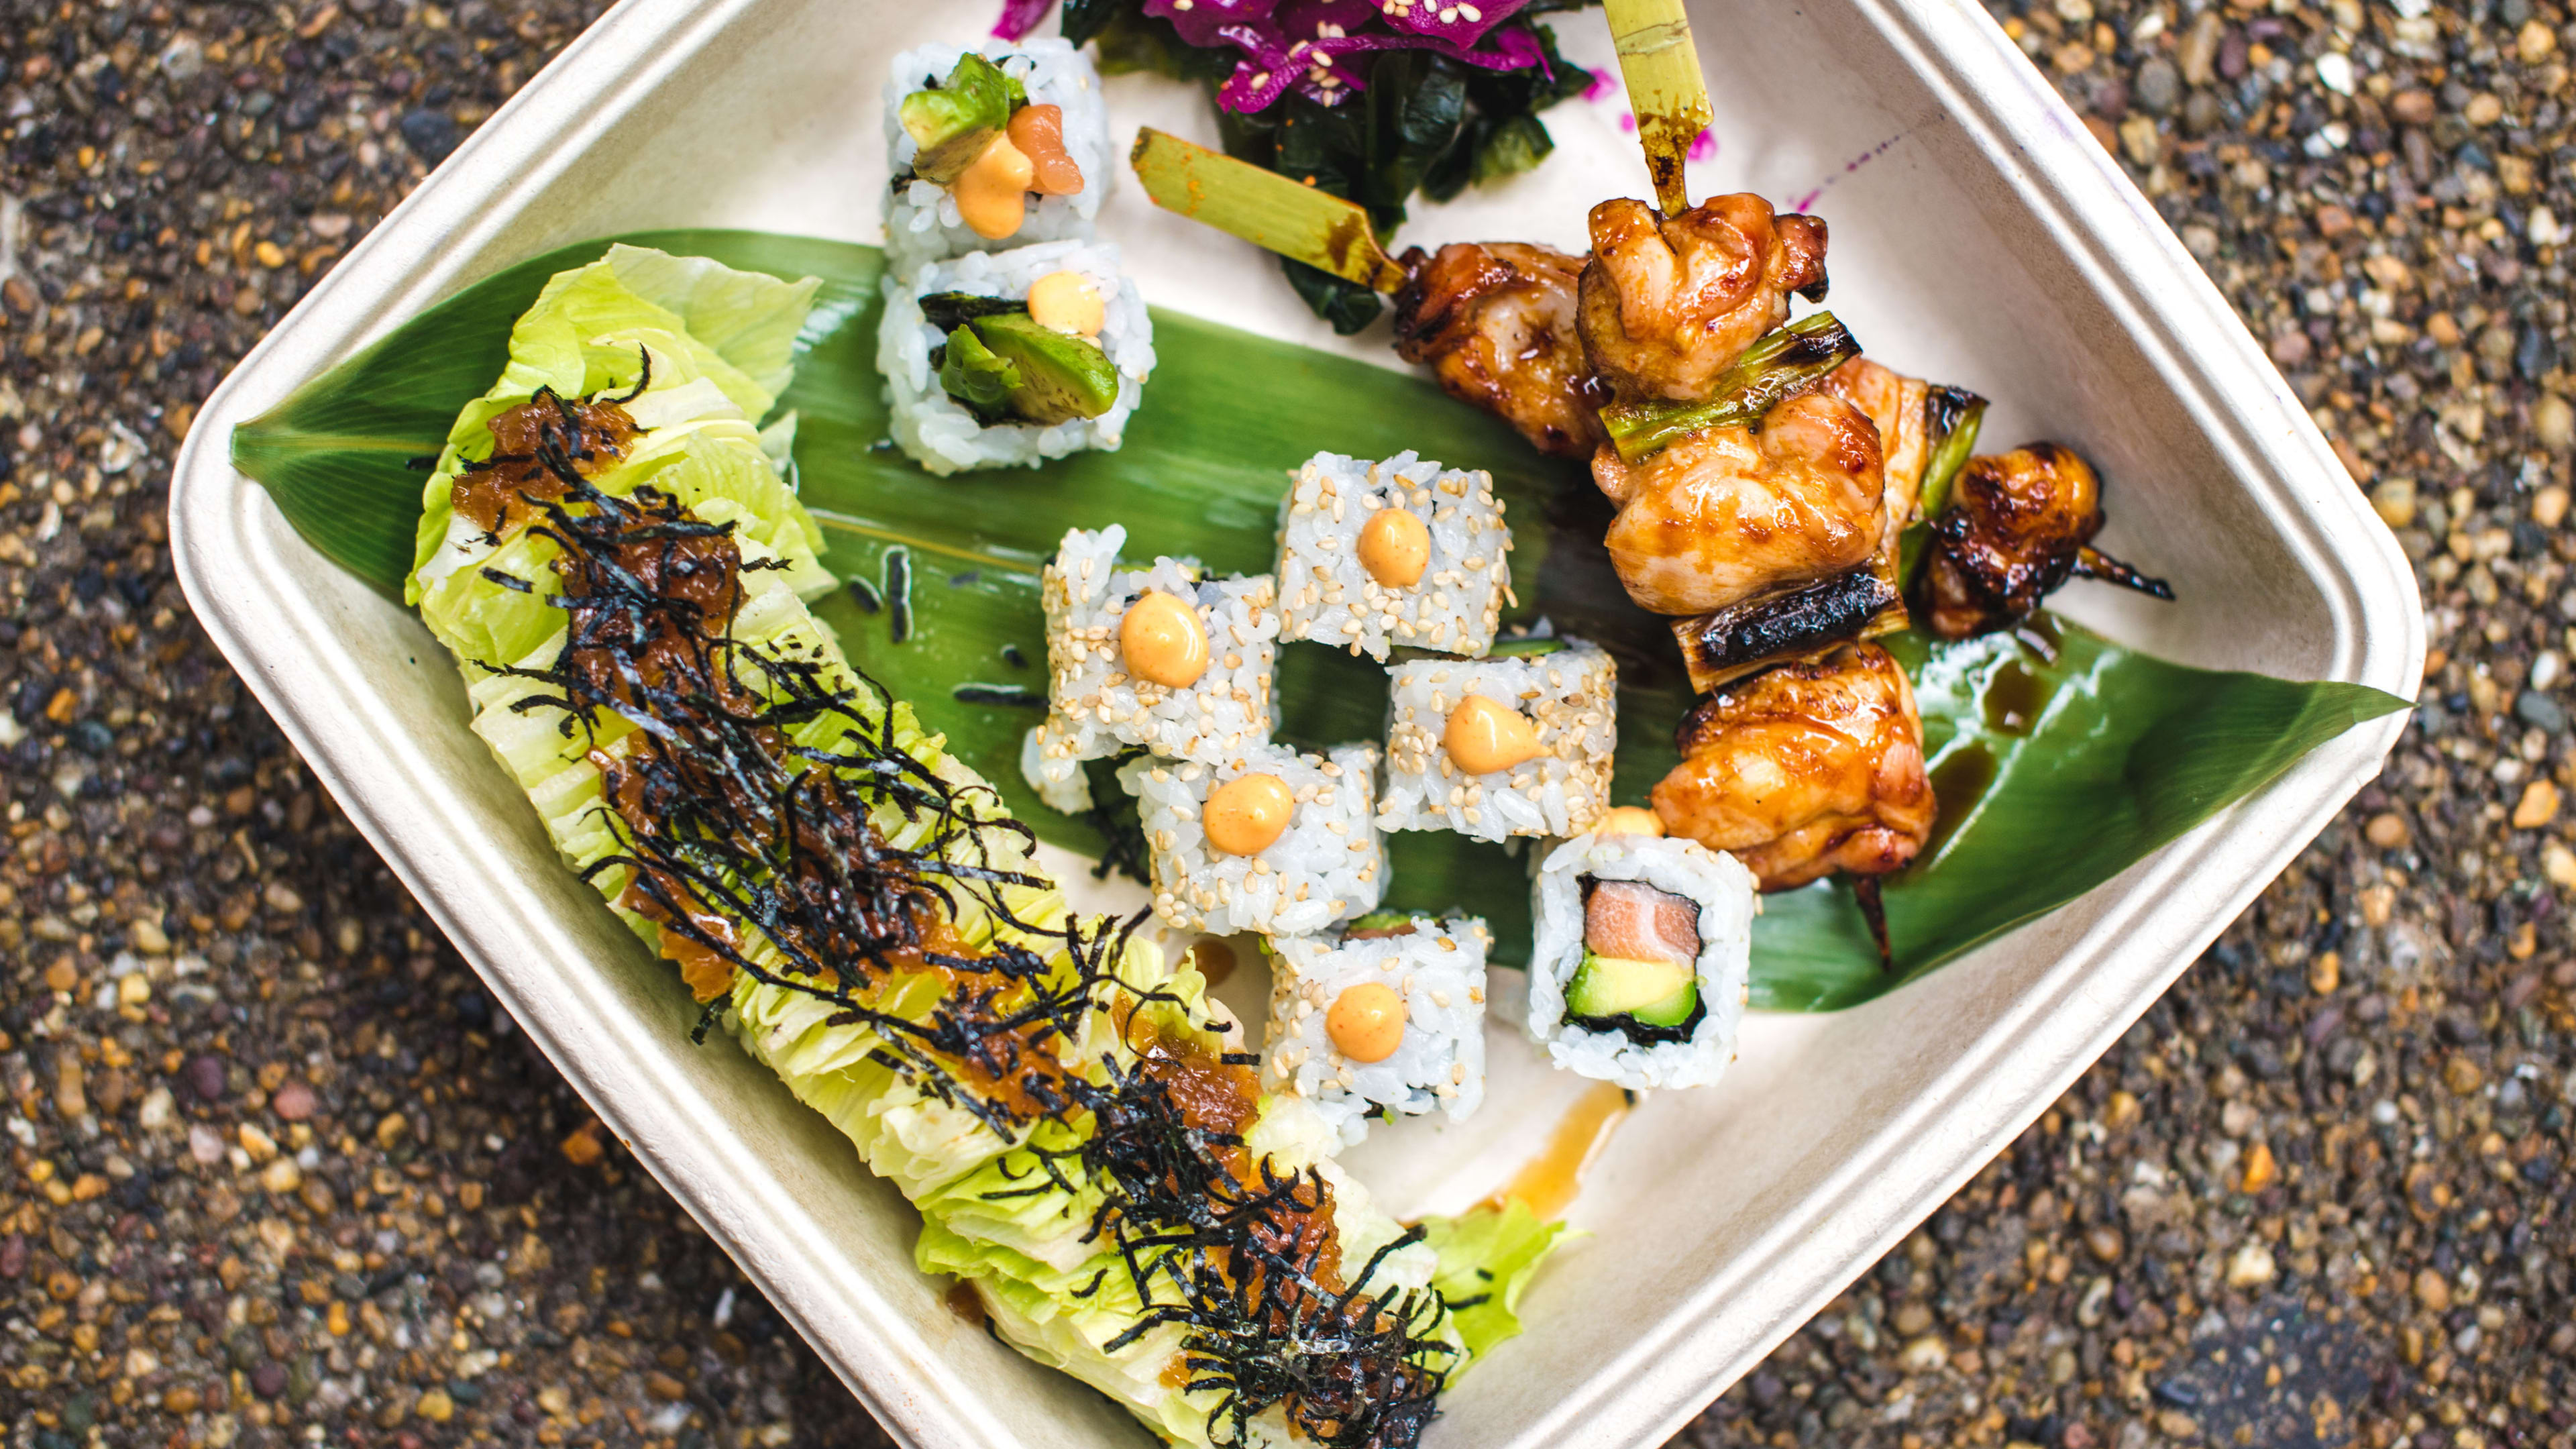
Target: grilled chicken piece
{"x": 2018, "y": 525}
{"x": 1496, "y": 325}
{"x": 1728, "y": 513}
{"x": 1899, "y": 406}
{"x": 1668, "y": 303}
{"x": 1806, "y": 769}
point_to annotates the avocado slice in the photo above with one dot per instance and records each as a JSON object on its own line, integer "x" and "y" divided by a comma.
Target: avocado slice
{"x": 973, "y": 374}
{"x": 1061, "y": 377}
{"x": 1650, "y": 993}
{"x": 954, "y": 120}
{"x": 1379, "y": 925}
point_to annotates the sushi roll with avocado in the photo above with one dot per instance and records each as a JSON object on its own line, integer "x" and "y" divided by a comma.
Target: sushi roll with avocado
{"x": 1517, "y": 743}
{"x": 1384, "y": 1019}
{"x": 1007, "y": 359}
{"x": 1004, "y": 145}
{"x": 1373, "y": 556}
{"x": 1165, "y": 657}
{"x": 1643, "y": 960}
{"x": 1267, "y": 840}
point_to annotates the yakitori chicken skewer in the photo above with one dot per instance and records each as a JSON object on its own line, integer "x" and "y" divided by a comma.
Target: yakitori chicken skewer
{"x": 2017, "y": 525}
{"x": 1806, "y": 769}
{"x": 1496, "y": 326}
{"x": 1766, "y": 475}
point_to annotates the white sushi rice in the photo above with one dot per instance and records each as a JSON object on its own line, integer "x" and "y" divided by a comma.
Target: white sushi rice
{"x": 1095, "y": 707}
{"x": 1723, "y": 890}
{"x": 1060, "y": 782}
{"x": 937, "y": 430}
{"x": 1328, "y": 596}
{"x": 1439, "y": 973}
{"x": 1571, "y": 696}
{"x": 1327, "y": 867}
{"x": 922, "y": 223}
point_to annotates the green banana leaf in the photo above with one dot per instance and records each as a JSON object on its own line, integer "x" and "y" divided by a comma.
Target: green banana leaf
{"x": 2052, "y": 745}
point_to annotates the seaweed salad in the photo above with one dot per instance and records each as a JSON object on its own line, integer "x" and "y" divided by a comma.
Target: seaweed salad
{"x": 612, "y": 548}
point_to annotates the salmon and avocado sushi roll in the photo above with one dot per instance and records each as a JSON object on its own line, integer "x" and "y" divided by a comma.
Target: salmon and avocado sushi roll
{"x": 1643, "y": 958}
{"x": 1005, "y": 360}
{"x": 993, "y": 147}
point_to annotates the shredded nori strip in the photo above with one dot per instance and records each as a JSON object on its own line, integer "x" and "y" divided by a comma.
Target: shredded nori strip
{"x": 748, "y": 783}
{"x": 898, "y": 591}
{"x": 1639, "y": 1032}
{"x": 865, "y": 595}
{"x": 949, "y": 311}
{"x": 1121, "y": 826}
{"x": 1011, "y": 695}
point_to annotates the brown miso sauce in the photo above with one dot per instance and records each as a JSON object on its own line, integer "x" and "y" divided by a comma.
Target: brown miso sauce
{"x": 1214, "y": 958}
{"x": 500, "y": 495}
{"x": 705, "y": 969}
{"x": 1213, "y": 1095}
{"x": 1547, "y": 1184}
{"x": 965, "y": 1302}
{"x": 2013, "y": 698}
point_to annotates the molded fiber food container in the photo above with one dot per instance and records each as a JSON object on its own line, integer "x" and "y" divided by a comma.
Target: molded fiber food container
{"x": 1980, "y": 235}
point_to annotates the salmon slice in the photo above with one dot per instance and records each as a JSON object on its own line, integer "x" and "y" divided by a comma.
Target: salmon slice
{"x": 1633, "y": 920}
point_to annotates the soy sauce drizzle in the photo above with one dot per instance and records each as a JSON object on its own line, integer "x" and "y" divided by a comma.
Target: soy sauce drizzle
{"x": 745, "y": 803}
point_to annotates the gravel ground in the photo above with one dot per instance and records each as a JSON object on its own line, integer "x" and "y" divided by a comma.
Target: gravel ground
{"x": 277, "y": 1170}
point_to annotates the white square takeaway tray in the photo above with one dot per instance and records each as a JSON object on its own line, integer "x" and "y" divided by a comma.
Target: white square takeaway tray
{"x": 1980, "y": 236}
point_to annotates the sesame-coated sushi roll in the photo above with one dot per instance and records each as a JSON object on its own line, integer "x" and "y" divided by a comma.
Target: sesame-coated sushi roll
{"x": 1001, "y": 146}
{"x": 1518, "y": 743}
{"x": 1266, "y": 840}
{"x": 1404, "y": 552}
{"x": 1164, "y": 657}
{"x": 1008, "y": 359}
{"x": 1643, "y": 958}
{"x": 1386, "y": 1018}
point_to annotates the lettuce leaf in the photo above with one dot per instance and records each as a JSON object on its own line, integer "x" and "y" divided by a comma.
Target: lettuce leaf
{"x": 1487, "y": 1256}
{"x": 712, "y": 332}
{"x": 1065, "y": 1318}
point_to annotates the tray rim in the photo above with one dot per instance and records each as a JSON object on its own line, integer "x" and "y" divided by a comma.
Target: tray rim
{"x": 1995, "y": 1088}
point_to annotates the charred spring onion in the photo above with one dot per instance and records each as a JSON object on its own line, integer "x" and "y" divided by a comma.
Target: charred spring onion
{"x": 1780, "y": 366}
{"x": 1732, "y": 642}
{"x": 1955, "y": 414}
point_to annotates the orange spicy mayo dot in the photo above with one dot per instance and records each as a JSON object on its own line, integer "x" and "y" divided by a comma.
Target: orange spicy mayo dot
{"x": 1395, "y": 548}
{"x": 1366, "y": 1022}
{"x": 1484, "y": 737}
{"x": 1162, "y": 641}
{"x": 1629, "y": 820}
{"x": 1243, "y": 816}
{"x": 992, "y": 195}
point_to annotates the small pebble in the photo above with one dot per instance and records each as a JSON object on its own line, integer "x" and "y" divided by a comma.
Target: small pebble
{"x": 293, "y": 1102}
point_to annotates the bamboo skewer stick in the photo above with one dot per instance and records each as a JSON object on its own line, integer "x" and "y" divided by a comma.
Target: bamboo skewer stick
{"x": 1666, "y": 91}
{"x": 1264, "y": 208}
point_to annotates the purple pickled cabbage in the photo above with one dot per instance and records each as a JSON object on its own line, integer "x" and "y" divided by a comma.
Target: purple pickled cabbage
{"x": 1460, "y": 22}
{"x": 1301, "y": 45}
{"x": 1203, "y": 23}
{"x": 1019, "y": 17}
{"x": 1274, "y": 65}
{"x": 1313, "y": 68}
{"x": 1316, "y": 19}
